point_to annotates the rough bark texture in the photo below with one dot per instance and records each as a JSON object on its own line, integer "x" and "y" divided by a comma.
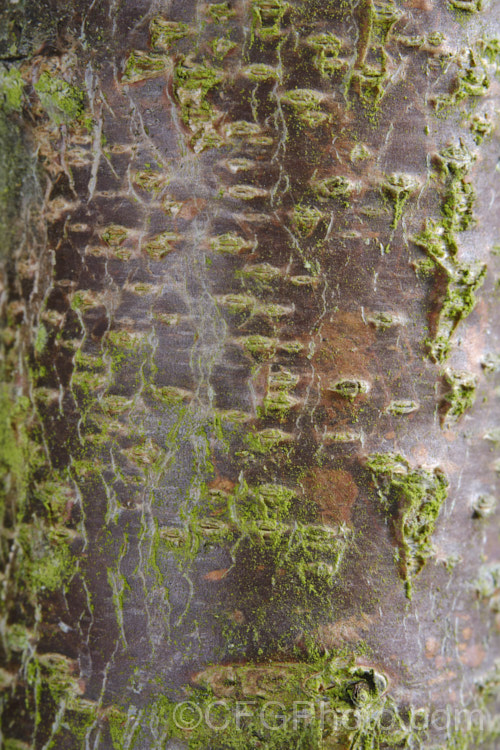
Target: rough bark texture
{"x": 250, "y": 373}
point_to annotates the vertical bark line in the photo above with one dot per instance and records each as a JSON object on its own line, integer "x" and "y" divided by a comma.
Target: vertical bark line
{"x": 254, "y": 420}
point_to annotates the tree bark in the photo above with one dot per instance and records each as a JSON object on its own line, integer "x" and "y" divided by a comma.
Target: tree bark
{"x": 250, "y": 376}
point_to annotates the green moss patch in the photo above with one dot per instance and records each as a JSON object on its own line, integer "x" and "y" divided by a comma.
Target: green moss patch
{"x": 11, "y": 89}
{"x": 413, "y": 499}
{"x": 63, "y": 102}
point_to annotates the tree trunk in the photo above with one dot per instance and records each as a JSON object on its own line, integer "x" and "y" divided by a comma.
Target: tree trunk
{"x": 250, "y": 374}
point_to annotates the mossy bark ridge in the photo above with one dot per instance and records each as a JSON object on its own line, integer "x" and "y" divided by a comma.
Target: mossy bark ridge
{"x": 250, "y": 374}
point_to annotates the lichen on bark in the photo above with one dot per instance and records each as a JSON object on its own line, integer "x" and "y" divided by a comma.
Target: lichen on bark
{"x": 247, "y": 383}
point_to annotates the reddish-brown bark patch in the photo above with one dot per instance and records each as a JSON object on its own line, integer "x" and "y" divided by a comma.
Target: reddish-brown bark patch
{"x": 334, "y": 492}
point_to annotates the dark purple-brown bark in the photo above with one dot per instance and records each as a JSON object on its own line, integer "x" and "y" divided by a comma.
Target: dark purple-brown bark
{"x": 250, "y": 373}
